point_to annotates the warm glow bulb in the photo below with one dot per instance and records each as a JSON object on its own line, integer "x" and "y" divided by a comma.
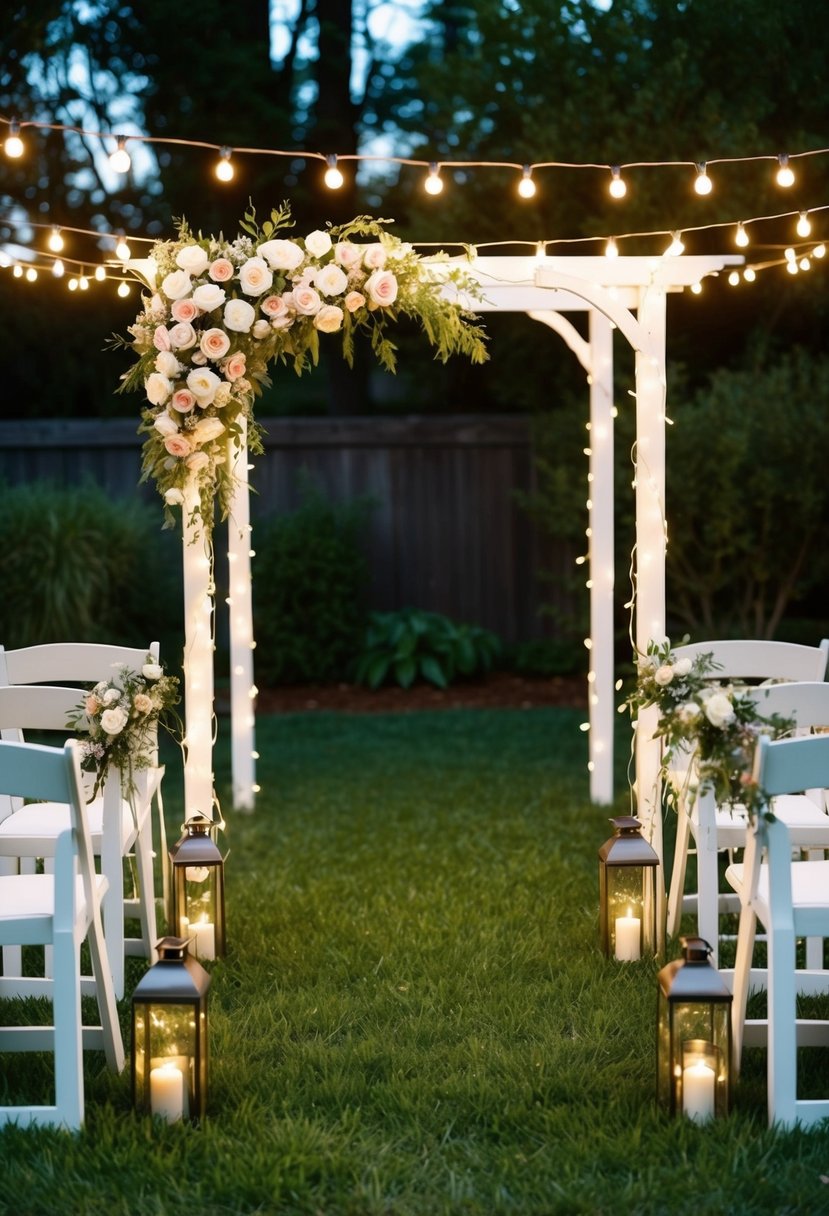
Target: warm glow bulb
{"x": 785, "y": 176}
{"x": 120, "y": 159}
{"x": 224, "y": 169}
{"x": 804, "y": 226}
{"x": 58, "y": 268}
{"x": 791, "y": 266}
{"x": 55, "y": 241}
{"x": 526, "y": 186}
{"x": 819, "y": 251}
{"x": 72, "y": 284}
{"x": 100, "y": 274}
{"x": 14, "y": 144}
{"x": 122, "y": 249}
{"x": 123, "y": 289}
{"x": 696, "y": 288}
{"x": 789, "y": 254}
{"x": 741, "y": 237}
{"x": 676, "y": 246}
{"x": 611, "y": 249}
{"x": 617, "y": 187}
{"x": 434, "y": 182}
{"x": 18, "y": 272}
{"x": 31, "y": 274}
{"x": 83, "y": 282}
{"x": 749, "y": 274}
{"x": 734, "y": 278}
{"x": 702, "y": 182}
{"x": 333, "y": 177}
{"x": 805, "y": 264}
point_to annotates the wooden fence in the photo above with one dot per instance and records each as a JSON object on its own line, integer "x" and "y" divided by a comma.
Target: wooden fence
{"x": 445, "y": 533}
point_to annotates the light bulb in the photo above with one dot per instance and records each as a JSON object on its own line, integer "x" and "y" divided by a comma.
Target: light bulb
{"x": 804, "y": 226}
{"x": 122, "y": 249}
{"x": 734, "y": 278}
{"x": 100, "y": 274}
{"x": 83, "y": 282}
{"x": 123, "y": 289}
{"x": 785, "y": 175}
{"x": 58, "y": 268}
{"x": 617, "y": 187}
{"x": 789, "y": 254}
{"x": 526, "y": 186}
{"x": 805, "y": 264}
{"x": 702, "y": 182}
{"x": 120, "y": 159}
{"x": 611, "y": 249}
{"x": 72, "y": 284}
{"x": 224, "y": 169}
{"x": 676, "y": 246}
{"x": 819, "y": 251}
{"x": 31, "y": 274}
{"x": 14, "y": 144}
{"x": 749, "y": 274}
{"x": 333, "y": 177}
{"x": 434, "y": 182}
{"x": 55, "y": 241}
{"x": 791, "y": 266}
{"x": 696, "y": 288}
{"x": 741, "y": 236}
{"x": 18, "y": 272}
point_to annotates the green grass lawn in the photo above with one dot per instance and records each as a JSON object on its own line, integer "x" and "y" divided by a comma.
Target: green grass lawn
{"x": 413, "y": 1016}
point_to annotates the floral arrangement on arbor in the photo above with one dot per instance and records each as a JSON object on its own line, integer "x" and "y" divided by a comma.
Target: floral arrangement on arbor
{"x": 222, "y": 310}
{"x": 117, "y": 720}
{"x": 713, "y": 724}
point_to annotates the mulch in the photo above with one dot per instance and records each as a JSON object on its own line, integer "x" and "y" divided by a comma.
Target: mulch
{"x": 498, "y": 690}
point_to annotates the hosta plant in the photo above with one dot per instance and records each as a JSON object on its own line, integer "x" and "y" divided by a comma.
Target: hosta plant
{"x": 410, "y": 644}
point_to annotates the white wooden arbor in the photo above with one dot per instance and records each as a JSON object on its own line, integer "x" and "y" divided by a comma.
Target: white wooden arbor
{"x": 625, "y": 293}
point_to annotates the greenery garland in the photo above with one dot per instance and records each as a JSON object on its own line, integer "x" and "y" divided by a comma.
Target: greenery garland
{"x": 221, "y": 311}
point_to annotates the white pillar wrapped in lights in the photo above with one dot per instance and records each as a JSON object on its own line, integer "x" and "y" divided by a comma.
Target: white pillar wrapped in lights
{"x": 199, "y": 599}
{"x": 242, "y": 643}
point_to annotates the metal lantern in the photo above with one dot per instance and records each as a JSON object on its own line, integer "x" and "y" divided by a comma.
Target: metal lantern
{"x": 694, "y": 1035}
{"x": 197, "y": 889}
{"x": 627, "y": 892}
{"x": 169, "y": 1035}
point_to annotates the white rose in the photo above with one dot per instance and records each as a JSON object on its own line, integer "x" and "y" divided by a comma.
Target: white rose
{"x": 154, "y": 671}
{"x": 193, "y": 259}
{"x": 199, "y": 460}
{"x": 381, "y": 288}
{"x": 688, "y": 712}
{"x": 113, "y": 721}
{"x": 331, "y": 280}
{"x": 173, "y": 498}
{"x": 206, "y": 429}
{"x": 305, "y": 301}
{"x": 209, "y": 296}
{"x": 663, "y": 675}
{"x": 167, "y": 364}
{"x": 158, "y": 388}
{"x": 203, "y": 383}
{"x": 223, "y": 394}
{"x": 682, "y": 667}
{"x": 718, "y": 709}
{"x": 182, "y": 336}
{"x": 346, "y": 254}
{"x": 111, "y": 696}
{"x": 318, "y": 243}
{"x": 255, "y": 278}
{"x": 176, "y": 285}
{"x": 281, "y": 254}
{"x": 261, "y": 328}
{"x": 374, "y": 256}
{"x": 239, "y": 316}
{"x": 329, "y": 319}
{"x": 165, "y": 425}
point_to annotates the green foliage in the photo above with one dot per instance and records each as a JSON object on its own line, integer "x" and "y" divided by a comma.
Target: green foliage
{"x": 411, "y": 644}
{"x": 78, "y": 565}
{"x": 310, "y": 589}
{"x": 547, "y": 657}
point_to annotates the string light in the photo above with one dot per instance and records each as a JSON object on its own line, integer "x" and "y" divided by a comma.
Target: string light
{"x": 618, "y": 187}
{"x": 526, "y": 186}
{"x": 696, "y": 288}
{"x": 119, "y": 159}
{"x": 122, "y": 249}
{"x": 734, "y": 278}
{"x": 611, "y": 249}
{"x": 58, "y": 268}
{"x": 434, "y": 182}
{"x": 741, "y": 236}
{"x": 749, "y": 274}
{"x": 31, "y": 275}
{"x": 224, "y": 169}
{"x": 785, "y": 173}
{"x": 83, "y": 283}
{"x": 805, "y": 264}
{"x": 804, "y": 226}
{"x": 18, "y": 271}
{"x": 333, "y": 177}
{"x": 676, "y": 246}
{"x": 72, "y": 284}
{"x": 14, "y": 144}
{"x": 702, "y": 182}
{"x": 123, "y": 288}
{"x": 55, "y": 241}
{"x": 819, "y": 251}
{"x": 100, "y": 274}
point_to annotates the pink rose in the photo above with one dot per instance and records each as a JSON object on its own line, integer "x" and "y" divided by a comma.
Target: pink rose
{"x": 354, "y": 300}
{"x": 381, "y": 288}
{"x": 178, "y": 445}
{"x": 92, "y": 704}
{"x": 198, "y": 460}
{"x": 182, "y": 336}
{"x": 183, "y": 400}
{"x": 273, "y": 306}
{"x": 234, "y": 367}
{"x": 161, "y": 338}
{"x": 346, "y": 254}
{"x": 214, "y": 343}
{"x": 184, "y": 310}
{"x": 306, "y": 301}
{"x": 142, "y": 703}
{"x": 221, "y": 270}
{"x": 374, "y": 256}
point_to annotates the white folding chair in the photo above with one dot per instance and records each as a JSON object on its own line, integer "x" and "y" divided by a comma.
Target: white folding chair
{"x": 790, "y": 899}
{"x": 58, "y": 910}
{"x": 703, "y": 827}
{"x": 127, "y": 812}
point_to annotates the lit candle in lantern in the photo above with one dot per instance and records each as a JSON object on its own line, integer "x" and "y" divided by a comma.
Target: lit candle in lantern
{"x": 167, "y": 1092}
{"x": 698, "y": 1092}
{"x": 628, "y": 938}
{"x": 204, "y": 938}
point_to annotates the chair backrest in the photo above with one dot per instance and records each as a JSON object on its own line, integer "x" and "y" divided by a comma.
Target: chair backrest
{"x": 38, "y": 707}
{"x": 754, "y": 659}
{"x": 789, "y": 766}
{"x": 83, "y": 662}
{"x": 805, "y": 702}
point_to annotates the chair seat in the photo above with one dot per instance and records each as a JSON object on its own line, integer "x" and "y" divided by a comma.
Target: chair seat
{"x": 807, "y": 822}
{"x": 810, "y": 886}
{"x": 35, "y": 827}
{"x": 26, "y": 896}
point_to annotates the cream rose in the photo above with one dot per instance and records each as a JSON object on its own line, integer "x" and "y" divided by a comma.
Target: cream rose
{"x": 142, "y": 704}
{"x": 214, "y": 343}
{"x": 718, "y": 709}
{"x": 354, "y": 300}
{"x": 113, "y": 721}
{"x": 255, "y": 278}
{"x": 346, "y": 254}
{"x": 184, "y": 310}
{"x": 199, "y": 460}
{"x": 374, "y": 256}
{"x": 182, "y": 336}
{"x": 182, "y": 400}
{"x": 153, "y": 671}
{"x": 165, "y": 425}
{"x": 381, "y": 288}
{"x": 682, "y": 667}
{"x": 206, "y": 429}
{"x": 178, "y": 444}
{"x": 331, "y": 280}
{"x": 166, "y": 364}
{"x": 223, "y": 394}
{"x": 176, "y": 285}
{"x": 306, "y": 301}
{"x": 203, "y": 384}
{"x": 209, "y": 296}
{"x": 281, "y": 254}
{"x": 329, "y": 319}
{"x": 193, "y": 259}
{"x": 239, "y": 316}
{"x": 158, "y": 388}
{"x": 663, "y": 675}
{"x": 318, "y": 243}
{"x": 234, "y": 367}
{"x": 221, "y": 270}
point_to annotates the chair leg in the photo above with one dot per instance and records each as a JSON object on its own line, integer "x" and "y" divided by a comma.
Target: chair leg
{"x": 683, "y": 841}
{"x": 146, "y": 889}
{"x": 742, "y": 978}
{"x": 708, "y": 911}
{"x": 105, "y": 993}
{"x": 782, "y": 1049}
{"x": 66, "y": 1007}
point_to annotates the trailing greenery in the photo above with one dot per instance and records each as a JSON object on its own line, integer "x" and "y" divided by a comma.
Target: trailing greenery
{"x": 414, "y": 1018}
{"x": 412, "y": 644}
{"x": 79, "y": 565}
{"x": 309, "y": 594}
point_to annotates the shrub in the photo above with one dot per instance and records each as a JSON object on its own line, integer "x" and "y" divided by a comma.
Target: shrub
{"x": 309, "y": 590}
{"x": 405, "y": 645}
{"x": 76, "y": 565}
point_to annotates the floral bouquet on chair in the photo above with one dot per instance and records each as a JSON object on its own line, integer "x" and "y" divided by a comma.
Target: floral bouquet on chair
{"x": 713, "y": 725}
{"x": 117, "y": 721}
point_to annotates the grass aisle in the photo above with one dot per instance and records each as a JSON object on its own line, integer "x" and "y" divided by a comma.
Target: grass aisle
{"x": 413, "y": 1018}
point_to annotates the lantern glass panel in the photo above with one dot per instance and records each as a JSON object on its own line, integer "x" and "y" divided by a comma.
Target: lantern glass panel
{"x": 167, "y": 1039}
{"x": 630, "y": 911}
